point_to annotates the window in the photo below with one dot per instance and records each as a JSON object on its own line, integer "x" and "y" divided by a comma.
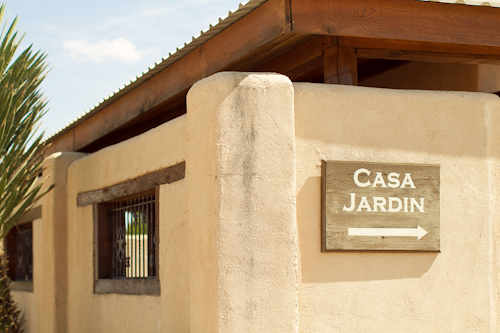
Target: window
{"x": 132, "y": 224}
{"x": 126, "y": 232}
{"x": 126, "y": 245}
{"x": 19, "y": 247}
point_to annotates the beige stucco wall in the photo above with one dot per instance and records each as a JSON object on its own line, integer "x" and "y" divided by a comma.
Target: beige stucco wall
{"x": 88, "y": 312}
{"x": 451, "y": 291}
{"x": 49, "y": 253}
{"x": 241, "y": 185}
{"x": 240, "y": 234}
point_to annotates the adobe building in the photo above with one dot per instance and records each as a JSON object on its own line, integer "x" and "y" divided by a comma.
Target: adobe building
{"x": 302, "y": 166}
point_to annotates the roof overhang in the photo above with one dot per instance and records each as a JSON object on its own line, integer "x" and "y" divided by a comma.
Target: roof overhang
{"x": 289, "y": 37}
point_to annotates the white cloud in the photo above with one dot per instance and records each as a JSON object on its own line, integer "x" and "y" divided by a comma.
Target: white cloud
{"x": 119, "y": 49}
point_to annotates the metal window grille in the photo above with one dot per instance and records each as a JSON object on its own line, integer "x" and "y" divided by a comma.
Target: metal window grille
{"x": 24, "y": 253}
{"x": 134, "y": 238}
{"x": 19, "y": 248}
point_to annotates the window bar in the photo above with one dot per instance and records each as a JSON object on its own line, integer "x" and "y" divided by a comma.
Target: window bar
{"x": 146, "y": 238}
{"x": 126, "y": 217}
{"x": 119, "y": 214}
{"x": 146, "y": 257}
{"x": 139, "y": 217}
{"x": 123, "y": 261}
{"x": 153, "y": 238}
{"x": 138, "y": 239}
{"x": 141, "y": 239}
{"x": 135, "y": 240}
{"x": 123, "y": 216}
{"x": 115, "y": 245}
{"x": 131, "y": 247}
{"x": 148, "y": 213}
{"x": 132, "y": 243}
{"x": 149, "y": 237}
{"x": 129, "y": 243}
{"x": 143, "y": 220}
{"x": 149, "y": 240}
{"x": 113, "y": 228}
{"x": 117, "y": 248}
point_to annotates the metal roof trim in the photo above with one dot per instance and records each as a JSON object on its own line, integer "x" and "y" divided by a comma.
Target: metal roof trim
{"x": 180, "y": 52}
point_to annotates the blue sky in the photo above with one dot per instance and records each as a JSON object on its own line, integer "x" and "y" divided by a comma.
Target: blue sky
{"x": 94, "y": 47}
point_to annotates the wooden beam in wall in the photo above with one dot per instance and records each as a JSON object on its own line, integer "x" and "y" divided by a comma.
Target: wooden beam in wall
{"x": 373, "y": 48}
{"x": 427, "y": 56}
{"x": 340, "y": 66}
{"x": 132, "y": 187}
{"x": 399, "y": 19}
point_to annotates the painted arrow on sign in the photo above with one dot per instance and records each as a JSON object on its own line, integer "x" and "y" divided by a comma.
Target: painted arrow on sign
{"x": 418, "y": 232}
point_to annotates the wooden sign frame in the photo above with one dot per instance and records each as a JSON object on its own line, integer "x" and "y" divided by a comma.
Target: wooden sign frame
{"x": 370, "y": 206}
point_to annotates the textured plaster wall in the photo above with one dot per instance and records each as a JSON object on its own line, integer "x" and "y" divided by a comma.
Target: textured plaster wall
{"x": 240, "y": 246}
{"x": 88, "y": 312}
{"x": 452, "y": 291}
{"x": 241, "y": 185}
{"x": 49, "y": 253}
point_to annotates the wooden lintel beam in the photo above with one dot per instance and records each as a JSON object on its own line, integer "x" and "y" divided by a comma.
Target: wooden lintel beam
{"x": 131, "y": 187}
{"x": 399, "y": 19}
{"x": 340, "y": 66}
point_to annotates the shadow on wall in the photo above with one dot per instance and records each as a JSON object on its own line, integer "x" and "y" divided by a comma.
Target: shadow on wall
{"x": 319, "y": 267}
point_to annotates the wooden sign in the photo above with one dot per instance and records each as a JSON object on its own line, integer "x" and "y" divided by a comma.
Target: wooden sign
{"x": 374, "y": 206}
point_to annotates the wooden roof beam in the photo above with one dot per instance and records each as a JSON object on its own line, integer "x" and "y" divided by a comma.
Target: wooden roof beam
{"x": 340, "y": 65}
{"x": 407, "y": 20}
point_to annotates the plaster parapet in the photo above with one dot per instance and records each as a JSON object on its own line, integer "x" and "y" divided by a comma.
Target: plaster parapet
{"x": 492, "y": 123}
{"x": 51, "y": 288}
{"x": 241, "y": 189}
{"x": 455, "y": 290}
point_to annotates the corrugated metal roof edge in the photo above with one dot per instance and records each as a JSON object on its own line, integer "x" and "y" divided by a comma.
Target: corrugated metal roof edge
{"x": 164, "y": 63}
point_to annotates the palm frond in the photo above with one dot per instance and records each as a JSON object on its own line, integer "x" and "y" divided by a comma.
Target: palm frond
{"x": 21, "y": 107}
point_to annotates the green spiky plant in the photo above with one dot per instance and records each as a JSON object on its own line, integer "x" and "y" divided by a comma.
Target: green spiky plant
{"x": 21, "y": 107}
{"x": 10, "y": 317}
{"x": 21, "y": 149}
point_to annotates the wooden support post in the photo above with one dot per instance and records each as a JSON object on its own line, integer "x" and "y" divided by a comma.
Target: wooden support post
{"x": 340, "y": 65}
